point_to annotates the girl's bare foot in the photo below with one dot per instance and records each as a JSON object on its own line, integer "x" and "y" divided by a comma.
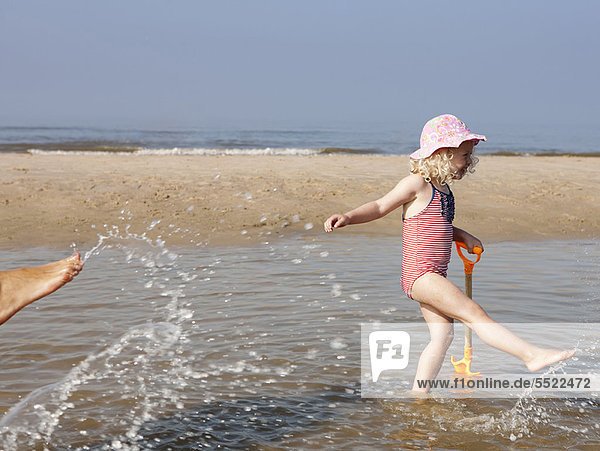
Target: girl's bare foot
{"x": 546, "y": 357}
{"x": 21, "y": 287}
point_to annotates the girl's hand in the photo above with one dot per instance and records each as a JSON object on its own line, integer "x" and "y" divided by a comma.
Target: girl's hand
{"x": 472, "y": 242}
{"x": 335, "y": 222}
{"x": 469, "y": 240}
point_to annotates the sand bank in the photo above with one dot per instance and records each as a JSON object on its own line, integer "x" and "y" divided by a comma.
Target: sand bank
{"x": 56, "y": 200}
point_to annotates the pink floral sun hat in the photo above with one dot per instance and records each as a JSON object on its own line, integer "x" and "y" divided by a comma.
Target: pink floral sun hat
{"x": 443, "y": 131}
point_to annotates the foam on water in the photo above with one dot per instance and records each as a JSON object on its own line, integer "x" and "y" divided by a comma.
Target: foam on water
{"x": 197, "y": 152}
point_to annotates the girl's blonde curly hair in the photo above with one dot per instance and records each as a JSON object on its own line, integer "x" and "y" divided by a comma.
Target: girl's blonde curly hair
{"x": 438, "y": 166}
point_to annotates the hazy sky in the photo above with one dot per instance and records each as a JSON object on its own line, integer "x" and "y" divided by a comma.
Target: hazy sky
{"x": 144, "y": 63}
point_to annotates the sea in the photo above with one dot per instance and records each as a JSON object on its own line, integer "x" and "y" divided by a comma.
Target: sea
{"x": 396, "y": 139}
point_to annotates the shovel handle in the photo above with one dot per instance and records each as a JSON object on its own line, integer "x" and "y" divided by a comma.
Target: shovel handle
{"x": 469, "y": 264}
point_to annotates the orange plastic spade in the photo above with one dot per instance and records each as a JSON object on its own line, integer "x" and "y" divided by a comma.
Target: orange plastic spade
{"x": 463, "y": 366}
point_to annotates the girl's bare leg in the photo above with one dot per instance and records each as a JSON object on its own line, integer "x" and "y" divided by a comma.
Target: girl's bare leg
{"x": 21, "y": 287}
{"x": 441, "y": 330}
{"x": 438, "y": 292}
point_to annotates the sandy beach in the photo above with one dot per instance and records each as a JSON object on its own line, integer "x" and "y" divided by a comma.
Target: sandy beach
{"x": 57, "y": 200}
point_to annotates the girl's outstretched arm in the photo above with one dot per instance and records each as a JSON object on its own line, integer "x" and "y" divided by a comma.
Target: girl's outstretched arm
{"x": 405, "y": 191}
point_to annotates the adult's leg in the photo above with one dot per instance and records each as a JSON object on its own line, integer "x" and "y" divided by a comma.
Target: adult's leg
{"x": 20, "y": 287}
{"x": 441, "y": 331}
{"x": 438, "y": 292}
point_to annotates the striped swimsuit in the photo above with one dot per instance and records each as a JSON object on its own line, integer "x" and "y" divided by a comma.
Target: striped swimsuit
{"x": 427, "y": 240}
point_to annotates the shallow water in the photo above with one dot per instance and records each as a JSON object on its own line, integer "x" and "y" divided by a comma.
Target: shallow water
{"x": 155, "y": 347}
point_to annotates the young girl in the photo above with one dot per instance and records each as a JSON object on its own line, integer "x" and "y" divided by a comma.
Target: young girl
{"x": 427, "y": 234}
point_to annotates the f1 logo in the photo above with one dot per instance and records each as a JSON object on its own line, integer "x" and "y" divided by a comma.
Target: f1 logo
{"x": 389, "y": 350}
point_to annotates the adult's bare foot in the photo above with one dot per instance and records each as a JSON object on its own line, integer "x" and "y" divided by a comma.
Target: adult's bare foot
{"x": 20, "y": 287}
{"x": 546, "y": 357}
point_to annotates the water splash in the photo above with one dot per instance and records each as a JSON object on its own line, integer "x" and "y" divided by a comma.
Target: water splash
{"x": 147, "y": 363}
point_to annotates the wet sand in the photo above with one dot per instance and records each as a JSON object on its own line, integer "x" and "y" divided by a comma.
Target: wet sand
{"x": 56, "y": 200}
